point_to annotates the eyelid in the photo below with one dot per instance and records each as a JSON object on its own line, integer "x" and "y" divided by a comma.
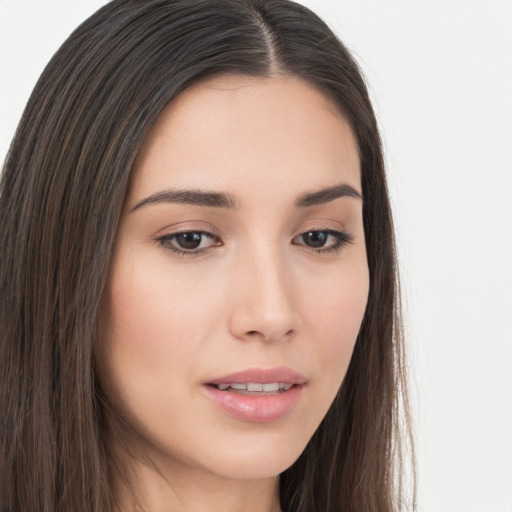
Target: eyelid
{"x": 342, "y": 237}
{"x": 165, "y": 241}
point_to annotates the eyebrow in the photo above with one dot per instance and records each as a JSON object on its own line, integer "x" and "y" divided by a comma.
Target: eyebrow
{"x": 223, "y": 200}
{"x": 192, "y": 197}
{"x": 327, "y": 195}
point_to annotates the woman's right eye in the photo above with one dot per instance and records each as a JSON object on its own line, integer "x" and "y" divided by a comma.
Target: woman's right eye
{"x": 189, "y": 242}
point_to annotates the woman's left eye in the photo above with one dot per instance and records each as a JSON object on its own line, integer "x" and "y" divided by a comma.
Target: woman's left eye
{"x": 188, "y": 242}
{"x": 323, "y": 240}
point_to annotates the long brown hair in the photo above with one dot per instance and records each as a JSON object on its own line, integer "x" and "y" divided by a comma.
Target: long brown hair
{"x": 61, "y": 195}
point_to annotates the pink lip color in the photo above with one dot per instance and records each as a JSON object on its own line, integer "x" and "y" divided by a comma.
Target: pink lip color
{"x": 262, "y": 375}
{"x": 258, "y": 409}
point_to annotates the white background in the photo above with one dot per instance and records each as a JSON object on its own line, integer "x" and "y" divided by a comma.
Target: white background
{"x": 440, "y": 74}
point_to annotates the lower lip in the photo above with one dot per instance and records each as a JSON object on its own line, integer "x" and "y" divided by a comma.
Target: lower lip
{"x": 256, "y": 409}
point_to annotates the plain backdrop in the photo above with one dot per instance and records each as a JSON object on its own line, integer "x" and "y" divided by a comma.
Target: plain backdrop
{"x": 440, "y": 76}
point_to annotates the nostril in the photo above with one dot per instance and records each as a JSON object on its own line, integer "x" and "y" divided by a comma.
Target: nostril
{"x": 256, "y": 334}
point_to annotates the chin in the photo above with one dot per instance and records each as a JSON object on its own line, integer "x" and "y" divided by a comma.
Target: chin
{"x": 255, "y": 465}
{"x": 257, "y": 455}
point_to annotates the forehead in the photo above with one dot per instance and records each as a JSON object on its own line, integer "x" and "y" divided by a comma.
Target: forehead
{"x": 232, "y": 129}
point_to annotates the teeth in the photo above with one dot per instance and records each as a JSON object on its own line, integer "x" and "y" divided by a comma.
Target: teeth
{"x": 256, "y": 387}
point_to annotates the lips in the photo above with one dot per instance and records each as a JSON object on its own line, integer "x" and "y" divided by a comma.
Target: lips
{"x": 257, "y": 395}
{"x": 253, "y": 387}
{"x": 262, "y": 376}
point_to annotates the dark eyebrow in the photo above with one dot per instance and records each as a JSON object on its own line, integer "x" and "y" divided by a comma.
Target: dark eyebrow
{"x": 222, "y": 200}
{"x": 193, "y": 197}
{"x": 327, "y": 195}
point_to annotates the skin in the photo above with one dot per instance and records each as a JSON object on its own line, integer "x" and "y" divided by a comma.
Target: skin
{"x": 255, "y": 295}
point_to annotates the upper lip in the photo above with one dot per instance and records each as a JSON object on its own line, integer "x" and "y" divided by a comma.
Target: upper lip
{"x": 262, "y": 376}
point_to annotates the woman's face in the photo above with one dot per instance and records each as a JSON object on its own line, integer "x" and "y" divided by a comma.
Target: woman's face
{"x": 240, "y": 259}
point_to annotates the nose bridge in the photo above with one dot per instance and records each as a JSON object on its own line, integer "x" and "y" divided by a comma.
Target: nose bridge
{"x": 264, "y": 302}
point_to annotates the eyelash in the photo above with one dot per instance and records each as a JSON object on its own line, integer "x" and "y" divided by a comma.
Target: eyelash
{"x": 341, "y": 240}
{"x": 166, "y": 240}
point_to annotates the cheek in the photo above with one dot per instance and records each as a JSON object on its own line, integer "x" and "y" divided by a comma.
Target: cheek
{"x": 343, "y": 311}
{"x": 154, "y": 317}
{"x": 153, "y": 343}
{"x": 137, "y": 337}
{"x": 151, "y": 340}
{"x": 334, "y": 312}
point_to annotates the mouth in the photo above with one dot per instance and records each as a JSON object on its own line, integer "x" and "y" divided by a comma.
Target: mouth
{"x": 254, "y": 388}
{"x": 276, "y": 379}
{"x": 257, "y": 395}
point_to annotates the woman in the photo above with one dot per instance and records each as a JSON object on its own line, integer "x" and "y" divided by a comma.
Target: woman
{"x": 199, "y": 300}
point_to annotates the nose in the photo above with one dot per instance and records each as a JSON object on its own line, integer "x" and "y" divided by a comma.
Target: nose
{"x": 263, "y": 300}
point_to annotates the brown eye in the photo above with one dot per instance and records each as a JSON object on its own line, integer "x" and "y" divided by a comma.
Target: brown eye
{"x": 189, "y": 242}
{"x": 315, "y": 238}
{"x": 323, "y": 240}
